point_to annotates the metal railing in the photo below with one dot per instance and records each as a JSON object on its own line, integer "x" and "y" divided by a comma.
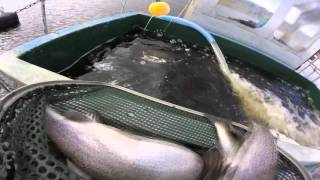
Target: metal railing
{"x": 311, "y": 69}
{"x": 43, "y": 10}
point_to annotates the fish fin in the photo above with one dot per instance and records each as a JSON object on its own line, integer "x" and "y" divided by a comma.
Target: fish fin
{"x": 51, "y": 111}
{"x": 78, "y": 171}
{"x": 214, "y": 119}
{"x": 229, "y": 138}
{"x": 230, "y": 141}
{"x": 229, "y": 172}
{"x": 94, "y": 116}
{"x": 213, "y": 164}
{"x": 82, "y": 117}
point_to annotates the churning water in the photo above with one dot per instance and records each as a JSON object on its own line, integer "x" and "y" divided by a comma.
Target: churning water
{"x": 62, "y": 14}
{"x": 280, "y": 113}
{"x": 263, "y": 105}
{"x": 190, "y": 76}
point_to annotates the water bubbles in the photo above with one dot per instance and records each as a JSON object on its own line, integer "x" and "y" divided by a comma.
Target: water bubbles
{"x": 206, "y": 49}
{"x": 173, "y": 41}
{"x": 2, "y": 91}
{"x": 154, "y": 59}
{"x": 5, "y": 146}
{"x": 178, "y": 49}
{"x": 296, "y": 88}
{"x": 159, "y": 34}
{"x": 103, "y": 66}
{"x": 142, "y": 62}
{"x": 89, "y": 68}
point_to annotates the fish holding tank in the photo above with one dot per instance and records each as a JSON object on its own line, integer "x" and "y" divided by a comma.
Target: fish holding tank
{"x": 152, "y": 97}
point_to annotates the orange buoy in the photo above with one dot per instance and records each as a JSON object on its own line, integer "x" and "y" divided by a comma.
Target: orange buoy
{"x": 159, "y": 8}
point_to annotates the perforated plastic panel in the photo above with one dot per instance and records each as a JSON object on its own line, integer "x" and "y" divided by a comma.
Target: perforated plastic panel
{"x": 121, "y": 108}
{"x": 27, "y": 153}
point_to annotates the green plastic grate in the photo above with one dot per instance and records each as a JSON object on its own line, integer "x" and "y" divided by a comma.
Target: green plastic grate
{"x": 125, "y": 109}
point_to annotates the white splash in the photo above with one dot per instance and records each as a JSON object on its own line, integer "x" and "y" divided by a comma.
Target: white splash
{"x": 263, "y": 105}
{"x": 103, "y": 66}
{"x": 153, "y": 59}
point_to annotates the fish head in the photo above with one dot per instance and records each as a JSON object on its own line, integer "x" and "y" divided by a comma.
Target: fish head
{"x": 72, "y": 115}
{"x": 257, "y": 156}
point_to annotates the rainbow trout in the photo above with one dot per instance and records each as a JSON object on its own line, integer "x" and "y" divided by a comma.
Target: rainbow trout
{"x": 249, "y": 158}
{"x": 105, "y": 152}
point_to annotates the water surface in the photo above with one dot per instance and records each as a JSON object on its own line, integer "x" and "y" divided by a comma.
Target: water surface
{"x": 189, "y": 76}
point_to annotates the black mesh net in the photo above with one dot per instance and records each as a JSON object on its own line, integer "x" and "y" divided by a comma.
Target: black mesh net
{"x": 27, "y": 153}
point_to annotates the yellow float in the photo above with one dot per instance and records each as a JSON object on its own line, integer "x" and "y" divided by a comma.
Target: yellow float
{"x": 159, "y": 8}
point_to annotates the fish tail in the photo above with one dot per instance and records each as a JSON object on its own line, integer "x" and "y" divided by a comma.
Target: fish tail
{"x": 213, "y": 164}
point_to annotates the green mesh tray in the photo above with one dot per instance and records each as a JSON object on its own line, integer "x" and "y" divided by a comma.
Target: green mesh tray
{"x": 28, "y": 153}
{"x": 123, "y": 108}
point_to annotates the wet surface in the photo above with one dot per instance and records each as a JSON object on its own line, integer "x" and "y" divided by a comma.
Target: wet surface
{"x": 190, "y": 77}
{"x": 185, "y": 75}
{"x": 169, "y": 71}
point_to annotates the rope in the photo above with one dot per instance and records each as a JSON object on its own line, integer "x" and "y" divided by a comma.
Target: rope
{"x": 27, "y": 6}
{"x": 181, "y": 12}
{"x": 123, "y": 3}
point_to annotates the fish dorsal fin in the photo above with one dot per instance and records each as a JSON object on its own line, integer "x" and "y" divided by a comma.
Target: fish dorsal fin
{"x": 218, "y": 159}
{"x": 82, "y": 117}
{"x": 213, "y": 164}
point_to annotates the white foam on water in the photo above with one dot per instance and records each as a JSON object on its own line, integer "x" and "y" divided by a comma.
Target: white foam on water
{"x": 2, "y": 91}
{"x": 142, "y": 62}
{"x": 263, "y": 105}
{"x": 103, "y": 66}
{"x": 153, "y": 59}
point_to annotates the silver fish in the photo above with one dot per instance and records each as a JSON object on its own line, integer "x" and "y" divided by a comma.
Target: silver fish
{"x": 104, "y": 152}
{"x": 249, "y": 158}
